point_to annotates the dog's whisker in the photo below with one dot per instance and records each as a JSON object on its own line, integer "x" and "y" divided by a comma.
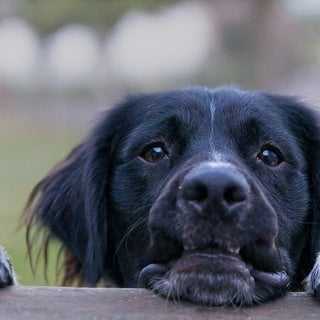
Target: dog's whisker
{"x": 127, "y": 234}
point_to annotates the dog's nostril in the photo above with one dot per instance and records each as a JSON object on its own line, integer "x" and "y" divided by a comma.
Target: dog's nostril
{"x": 195, "y": 193}
{"x": 233, "y": 195}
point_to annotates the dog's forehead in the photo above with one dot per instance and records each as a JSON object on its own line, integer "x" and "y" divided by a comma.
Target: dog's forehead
{"x": 204, "y": 121}
{"x": 206, "y": 109}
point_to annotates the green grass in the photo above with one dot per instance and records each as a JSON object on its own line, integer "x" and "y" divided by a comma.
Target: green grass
{"x": 27, "y": 154}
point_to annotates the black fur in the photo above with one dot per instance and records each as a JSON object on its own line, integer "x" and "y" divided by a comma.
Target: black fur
{"x": 209, "y": 195}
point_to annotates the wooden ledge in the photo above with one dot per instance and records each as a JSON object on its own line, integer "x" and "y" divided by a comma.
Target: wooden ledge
{"x": 59, "y": 303}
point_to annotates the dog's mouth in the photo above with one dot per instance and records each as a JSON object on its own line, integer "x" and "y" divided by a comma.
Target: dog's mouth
{"x": 211, "y": 276}
{"x": 219, "y": 253}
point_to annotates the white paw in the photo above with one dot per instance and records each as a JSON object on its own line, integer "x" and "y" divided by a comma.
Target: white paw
{"x": 312, "y": 282}
{"x": 7, "y": 276}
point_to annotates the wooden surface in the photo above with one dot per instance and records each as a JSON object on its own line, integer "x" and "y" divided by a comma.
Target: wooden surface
{"x": 73, "y": 303}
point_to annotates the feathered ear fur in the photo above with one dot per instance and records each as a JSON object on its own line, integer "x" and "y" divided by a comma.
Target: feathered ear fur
{"x": 70, "y": 202}
{"x": 312, "y": 282}
{"x": 310, "y": 260}
{"x": 305, "y": 125}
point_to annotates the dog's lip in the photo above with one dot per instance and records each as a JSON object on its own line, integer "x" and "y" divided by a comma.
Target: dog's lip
{"x": 230, "y": 249}
{"x": 212, "y": 252}
{"x": 205, "y": 257}
{"x": 151, "y": 271}
{"x": 279, "y": 278}
{"x": 213, "y": 259}
{"x": 275, "y": 279}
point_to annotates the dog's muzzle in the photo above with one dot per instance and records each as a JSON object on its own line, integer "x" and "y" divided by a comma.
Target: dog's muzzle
{"x": 225, "y": 230}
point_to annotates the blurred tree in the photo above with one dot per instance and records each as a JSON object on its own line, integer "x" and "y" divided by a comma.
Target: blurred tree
{"x": 260, "y": 43}
{"x": 48, "y": 15}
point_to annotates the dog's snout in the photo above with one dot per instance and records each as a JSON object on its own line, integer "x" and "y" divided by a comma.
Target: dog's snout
{"x": 215, "y": 189}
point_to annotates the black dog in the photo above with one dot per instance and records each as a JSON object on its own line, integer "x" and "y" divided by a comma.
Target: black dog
{"x": 206, "y": 195}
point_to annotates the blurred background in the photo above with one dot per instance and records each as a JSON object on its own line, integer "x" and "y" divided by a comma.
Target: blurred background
{"x": 63, "y": 61}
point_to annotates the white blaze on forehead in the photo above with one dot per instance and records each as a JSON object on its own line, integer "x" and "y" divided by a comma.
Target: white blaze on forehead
{"x": 217, "y": 159}
{"x": 216, "y": 156}
{"x": 212, "y": 112}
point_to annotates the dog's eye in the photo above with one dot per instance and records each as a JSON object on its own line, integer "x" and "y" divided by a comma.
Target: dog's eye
{"x": 270, "y": 157}
{"x": 154, "y": 153}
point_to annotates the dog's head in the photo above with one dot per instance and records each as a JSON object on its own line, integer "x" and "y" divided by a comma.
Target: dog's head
{"x": 206, "y": 195}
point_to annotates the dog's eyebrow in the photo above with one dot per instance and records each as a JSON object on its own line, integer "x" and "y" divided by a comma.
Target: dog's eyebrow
{"x": 168, "y": 126}
{"x": 253, "y": 132}
{"x": 148, "y": 133}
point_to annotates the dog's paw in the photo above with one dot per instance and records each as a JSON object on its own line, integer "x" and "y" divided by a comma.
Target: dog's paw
{"x": 7, "y": 276}
{"x": 312, "y": 282}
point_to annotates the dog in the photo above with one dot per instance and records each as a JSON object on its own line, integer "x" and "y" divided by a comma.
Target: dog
{"x": 199, "y": 194}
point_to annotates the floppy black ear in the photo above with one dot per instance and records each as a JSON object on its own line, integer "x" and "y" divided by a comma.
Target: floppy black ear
{"x": 312, "y": 282}
{"x": 70, "y": 202}
{"x": 304, "y": 125}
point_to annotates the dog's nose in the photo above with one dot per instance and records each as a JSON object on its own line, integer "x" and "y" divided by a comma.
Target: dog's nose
{"x": 215, "y": 189}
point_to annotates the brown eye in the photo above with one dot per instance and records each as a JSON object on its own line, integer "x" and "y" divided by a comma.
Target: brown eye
{"x": 154, "y": 154}
{"x": 271, "y": 158}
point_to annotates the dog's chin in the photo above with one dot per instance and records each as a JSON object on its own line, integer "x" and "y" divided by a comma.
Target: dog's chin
{"x": 213, "y": 279}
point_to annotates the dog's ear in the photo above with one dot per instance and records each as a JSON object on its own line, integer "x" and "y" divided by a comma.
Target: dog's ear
{"x": 304, "y": 125}
{"x": 312, "y": 282}
{"x": 70, "y": 203}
